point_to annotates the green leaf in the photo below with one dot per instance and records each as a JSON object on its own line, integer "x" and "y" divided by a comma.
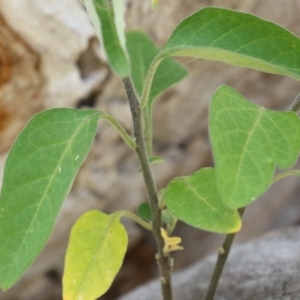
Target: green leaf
{"x": 142, "y": 52}
{"x": 38, "y": 175}
{"x": 195, "y": 200}
{"x": 236, "y": 38}
{"x": 94, "y": 256}
{"x": 167, "y": 217}
{"x": 248, "y": 142}
{"x": 156, "y": 160}
{"x": 144, "y": 211}
{"x": 108, "y": 19}
{"x": 169, "y": 220}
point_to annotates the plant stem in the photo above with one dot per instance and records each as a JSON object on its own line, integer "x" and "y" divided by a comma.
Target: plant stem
{"x": 296, "y": 104}
{"x": 147, "y": 114}
{"x": 222, "y": 257}
{"x": 164, "y": 262}
{"x": 148, "y": 81}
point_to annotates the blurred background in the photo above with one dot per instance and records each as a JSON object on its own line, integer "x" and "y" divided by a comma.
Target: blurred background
{"x": 50, "y": 57}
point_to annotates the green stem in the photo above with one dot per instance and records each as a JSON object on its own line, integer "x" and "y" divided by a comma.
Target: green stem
{"x": 147, "y": 109}
{"x": 130, "y": 142}
{"x": 225, "y": 249}
{"x": 222, "y": 257}
{"x": 286, "y": 174}
{"x": 135, "y": 218}
{"x": 148, "y": 81}
{"x": 164, "y": 262}
{"x": 147, "y": 115}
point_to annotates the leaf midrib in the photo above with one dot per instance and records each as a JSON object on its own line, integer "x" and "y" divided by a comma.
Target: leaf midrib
{"x": 46, "y": 190}
{"x": 112, "y": 219}
{"x": 199, "y": 196}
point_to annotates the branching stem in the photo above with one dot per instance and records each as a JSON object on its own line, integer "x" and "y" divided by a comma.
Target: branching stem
{"x": 164, "y": 262}
{"x": 222, "y": 258}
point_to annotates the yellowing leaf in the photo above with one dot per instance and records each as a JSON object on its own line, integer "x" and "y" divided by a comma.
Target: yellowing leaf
{"x": 95, "y": 254}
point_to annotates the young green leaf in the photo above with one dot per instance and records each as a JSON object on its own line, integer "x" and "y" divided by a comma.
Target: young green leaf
{"x": 248, "y": 142}
{"x": 236, "y": 38}
{"x": 108, "y": 19}
{"x": 94, "y": 256}
{"x": 38, "y": 174}
{"x": 144, "y": 211}
{"x": 195, "y": 200}
{"x": 156, "y": 160}
{"x": 142, "y": 52}
{"x": 169, "y": 220}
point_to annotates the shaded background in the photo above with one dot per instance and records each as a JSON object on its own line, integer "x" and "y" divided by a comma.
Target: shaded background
{"x": 49, "y": 57}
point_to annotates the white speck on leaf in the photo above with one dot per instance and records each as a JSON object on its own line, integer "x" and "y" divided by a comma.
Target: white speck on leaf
{"x": 59, "y": 169}
{"x": 81, "y": 297}
{"x": 76, "y": 157}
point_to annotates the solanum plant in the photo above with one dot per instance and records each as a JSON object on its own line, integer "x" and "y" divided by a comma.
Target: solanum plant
{"x": 248, "y": 143}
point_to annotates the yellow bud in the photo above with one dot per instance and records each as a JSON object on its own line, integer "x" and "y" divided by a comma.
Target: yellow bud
{"x": 171, "y": 243}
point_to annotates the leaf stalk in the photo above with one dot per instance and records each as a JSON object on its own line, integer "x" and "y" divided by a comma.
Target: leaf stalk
{"x": 134, "y": 217}
{"x": 148, "y": 81}
{"x": 130, "y": 142}
{"x": 285, "y": 174}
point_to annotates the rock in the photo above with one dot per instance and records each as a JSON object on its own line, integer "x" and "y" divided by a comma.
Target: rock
{"x": 42, "y": 46}
{"x": 263, "y": 269}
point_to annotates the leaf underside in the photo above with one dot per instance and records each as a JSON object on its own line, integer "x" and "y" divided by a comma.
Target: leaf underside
{"x": 236, "y": 38}
{"x": 108, "y": 21}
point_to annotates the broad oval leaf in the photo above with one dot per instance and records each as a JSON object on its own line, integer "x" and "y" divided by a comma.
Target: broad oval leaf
{"x": 108, "y": 20}
{"x": 248, "y": 142}
{"x": 236, "y": 38}
{"x": 195, "y": 200}
{"x": 96, "y": 251}
{"x": 38, "y": 174}
{"x": 142, "y": 52}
